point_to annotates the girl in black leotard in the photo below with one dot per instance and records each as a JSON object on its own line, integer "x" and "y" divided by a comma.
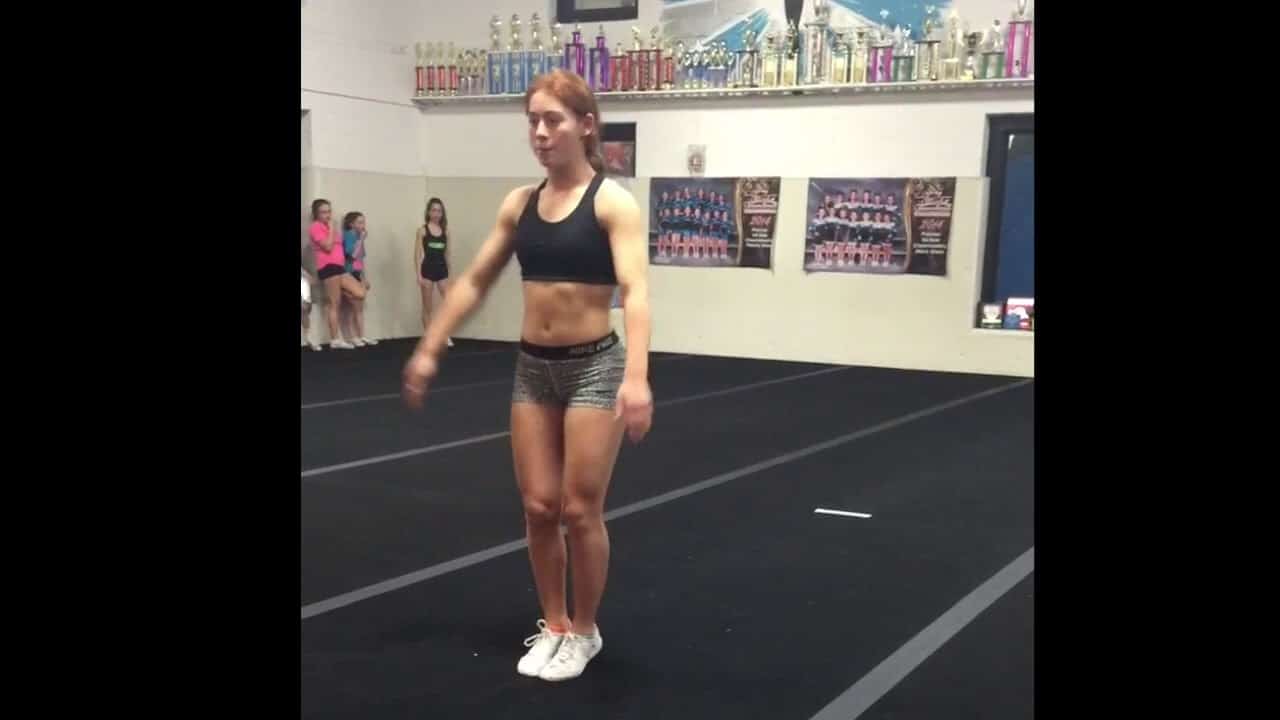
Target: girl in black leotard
{"x": 430, "y": 256}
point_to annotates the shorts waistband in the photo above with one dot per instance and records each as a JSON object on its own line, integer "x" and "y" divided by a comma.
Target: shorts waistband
{"x": 570, "y": 352}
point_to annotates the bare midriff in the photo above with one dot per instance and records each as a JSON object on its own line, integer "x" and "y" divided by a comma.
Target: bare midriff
{"x": 565, "y": 313}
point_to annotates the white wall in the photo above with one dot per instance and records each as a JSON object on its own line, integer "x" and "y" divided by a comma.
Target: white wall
{"x": 361, "y": 151}
{"x": 356, "y": 79}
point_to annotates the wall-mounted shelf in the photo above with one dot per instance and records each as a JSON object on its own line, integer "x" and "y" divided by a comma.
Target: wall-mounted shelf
{"x": 769, "y": 94}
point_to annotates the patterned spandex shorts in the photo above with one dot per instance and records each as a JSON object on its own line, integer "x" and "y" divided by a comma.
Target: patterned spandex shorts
{"x": 586, "y": 375}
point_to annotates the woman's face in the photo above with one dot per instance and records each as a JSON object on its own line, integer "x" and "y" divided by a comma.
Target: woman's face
{"x": 358, "y": 224}
{"x": 436, "y": 212}
{"x": 324, "y": 214}
{"x": 555, "y": 131}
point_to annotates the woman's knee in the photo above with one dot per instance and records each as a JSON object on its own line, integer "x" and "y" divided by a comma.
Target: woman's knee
{"x": 581, "y": 512}
{"x": 540, "y": 512}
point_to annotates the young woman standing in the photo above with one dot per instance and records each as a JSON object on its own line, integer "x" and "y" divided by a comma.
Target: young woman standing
{"x": 577, "y": 386}
{"x": 431, "y": 257}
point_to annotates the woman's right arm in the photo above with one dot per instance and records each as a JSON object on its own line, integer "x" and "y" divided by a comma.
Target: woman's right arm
{"x": 417, "y": 254}
{"x": 470, "y": 288}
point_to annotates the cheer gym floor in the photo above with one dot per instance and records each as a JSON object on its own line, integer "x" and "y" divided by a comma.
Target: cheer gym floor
{"x": 728, "y": 596}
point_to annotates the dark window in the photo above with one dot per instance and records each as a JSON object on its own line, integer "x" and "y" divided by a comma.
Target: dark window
{"x": 575, "y": 11}
{"x": 1009, "y": 260}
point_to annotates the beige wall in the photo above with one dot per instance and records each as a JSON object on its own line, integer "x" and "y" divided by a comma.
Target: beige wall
{"x": 392, "y": 205}
{"x": 909, "y": 321}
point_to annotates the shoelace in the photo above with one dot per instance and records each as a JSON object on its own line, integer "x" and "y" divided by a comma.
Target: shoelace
{"x": 544, "y": 631}
{"x": 569, "y": 648}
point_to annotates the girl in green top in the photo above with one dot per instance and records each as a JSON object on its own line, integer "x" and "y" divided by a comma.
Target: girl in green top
{"x": 430, "y": 257}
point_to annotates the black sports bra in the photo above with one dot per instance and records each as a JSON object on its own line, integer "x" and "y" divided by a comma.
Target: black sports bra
{"x": 576, "y": 249}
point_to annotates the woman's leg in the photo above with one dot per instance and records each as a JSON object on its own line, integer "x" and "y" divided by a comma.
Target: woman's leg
{"x": 332, "y": 303}
{"x": 593, "y": 439}
{"x": 357, "y": 319}
{"x": 344, "y": 319}
{"x": 426, "y": 286}
{"x": 352, "y": 288}
{"x": 444, "y": 284}
{"x": 537, "y": 443}
{"x": 537, "y": 446}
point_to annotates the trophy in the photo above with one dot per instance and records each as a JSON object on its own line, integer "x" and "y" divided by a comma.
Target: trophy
{"x": 1017, "y": 60}
{"x": 817, "y": 70}
{"x": 841, "y": 54}
{"x": 653, "y": 62}
{"x": 620, "y": 74}
{"x": 715, "y": 69}
{"x": 465, "y": 73}
{"x": 440, "y": 69}
{"x": 745, "y": 63}
{"x": 497, "y": 59}
{"x": 992, "y": 64}
{"x": 880, "y": 69}
{"x": 790, "y": 56}
{"x": 668, "y": 65}
{"x": 971, "y": 41}
{"x": 635, "y": 59}
{"x": 535, "y": 58}
{"x": 904, "y": 58}
{"x": 555, "y": 58}
{"x": 429, "y": 69}
{"x": 728, "y": 64}
{"x": 453, "y": 56}
{"x": 929, "y": 49}
{"x": 598, "y": 64}
{"x": 860, "y": 56}
{"x": 739, "y": 62}
{"x": 420, "y": 70}
{"x": 771, "y": 63}
{"x": 880, "y": 65}
{"x": 952, "y": 47}
{"x": 751, "y": 73}
{"x": 575, "y": 54}
{"x": 517, "y": 83}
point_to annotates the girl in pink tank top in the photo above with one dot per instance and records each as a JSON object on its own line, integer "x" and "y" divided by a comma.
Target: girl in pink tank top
{"x": 326, "y": 242}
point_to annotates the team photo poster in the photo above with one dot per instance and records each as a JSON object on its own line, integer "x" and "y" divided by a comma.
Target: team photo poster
{"x": 713, "y": 222}
{"x": 889, "y": 226}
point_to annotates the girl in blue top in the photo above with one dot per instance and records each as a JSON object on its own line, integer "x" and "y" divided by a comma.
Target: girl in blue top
{"x": 353, "y": 237}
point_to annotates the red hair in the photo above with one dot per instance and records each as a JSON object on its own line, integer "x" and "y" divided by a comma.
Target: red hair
{"x": 571, "y": 90}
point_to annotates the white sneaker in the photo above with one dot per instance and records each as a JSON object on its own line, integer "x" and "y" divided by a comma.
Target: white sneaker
{"x": 358, "y": 342}
{"x": 341, "y": 345}
{"x": 542, "y": 647}
{"x": 314, "y": 346}
{"x": 572, "y": 657}
{"x": 368, "y": 341}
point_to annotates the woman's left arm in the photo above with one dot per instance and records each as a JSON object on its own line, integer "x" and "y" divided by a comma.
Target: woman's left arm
{"x": 621, "y": 218}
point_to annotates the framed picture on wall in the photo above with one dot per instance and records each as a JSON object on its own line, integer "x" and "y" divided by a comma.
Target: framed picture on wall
{"x": 618, "y": 145}
{"x": 575, "y": 11}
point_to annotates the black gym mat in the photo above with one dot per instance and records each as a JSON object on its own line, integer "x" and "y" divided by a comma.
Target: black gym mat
{"x": 367, "y": 524}
{"x": 458, "y": 408}
{"x": 986, "y": 671}
{"x": 736, "y": 601}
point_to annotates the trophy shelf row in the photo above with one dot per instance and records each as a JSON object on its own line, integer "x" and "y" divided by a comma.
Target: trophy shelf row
{"x": 793, "y": 91}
